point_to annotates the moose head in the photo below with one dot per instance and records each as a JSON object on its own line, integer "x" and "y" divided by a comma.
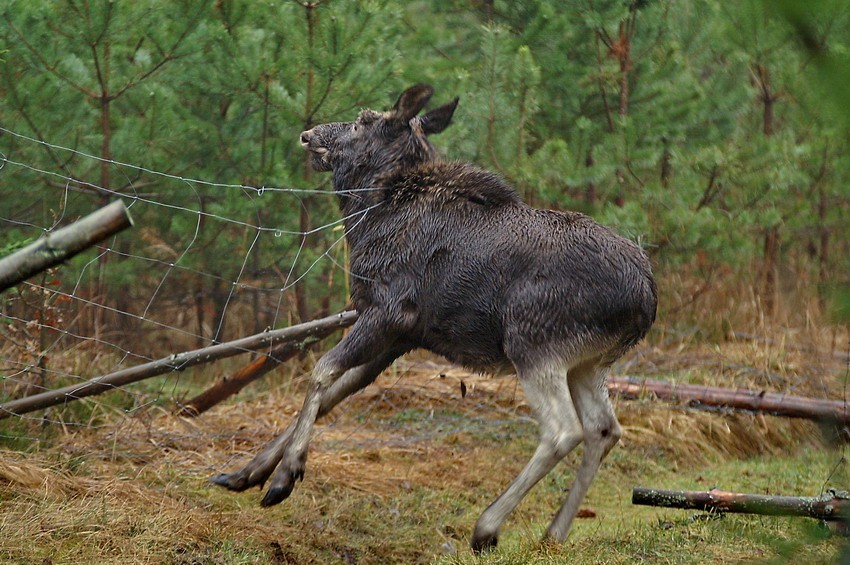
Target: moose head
{"x": 377, "y": 143}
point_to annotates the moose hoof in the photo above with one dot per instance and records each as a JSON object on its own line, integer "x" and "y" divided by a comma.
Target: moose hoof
{"x": 231, "y": 481}
{"x": 482, "y": 543}
{"x": 276, "y": 495}
{"x": 281, "y": 489}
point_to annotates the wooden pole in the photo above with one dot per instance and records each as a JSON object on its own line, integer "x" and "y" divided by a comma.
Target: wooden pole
{"x": 833, "y": 506}
{"x": 62, "y": 244}
{"x": 698, "y": 396}
{"x": 230, "y": 385}
{"x": 176, "y": 362}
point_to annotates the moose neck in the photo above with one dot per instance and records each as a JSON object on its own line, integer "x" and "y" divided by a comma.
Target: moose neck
{"x": 363, "y": 182}
{"x": 355, "y": 191}
{"x": 360, "y": 188}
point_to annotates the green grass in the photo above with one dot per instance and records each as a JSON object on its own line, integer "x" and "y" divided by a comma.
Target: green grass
{"x": 175, "y": 517}
{"x": 622, "y": 533}
{"x": 399, "y": 475}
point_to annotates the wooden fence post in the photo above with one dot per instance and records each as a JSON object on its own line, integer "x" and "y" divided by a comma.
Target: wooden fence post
{"x": 55, "y": 247}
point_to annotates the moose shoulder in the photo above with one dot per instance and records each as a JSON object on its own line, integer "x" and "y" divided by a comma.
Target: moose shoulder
{"x": 445, "y": 256}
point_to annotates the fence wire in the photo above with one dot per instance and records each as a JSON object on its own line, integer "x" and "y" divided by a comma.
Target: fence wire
{"x": 57, "y": 330}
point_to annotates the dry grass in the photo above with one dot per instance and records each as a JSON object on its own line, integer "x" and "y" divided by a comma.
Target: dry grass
{"x": 399, "y": 473}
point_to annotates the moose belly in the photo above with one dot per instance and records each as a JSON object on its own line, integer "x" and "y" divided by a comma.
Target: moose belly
{"x": 470, "y": 341}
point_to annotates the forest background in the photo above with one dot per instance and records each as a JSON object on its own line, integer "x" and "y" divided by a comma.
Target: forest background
{"x": 713, "y": 133}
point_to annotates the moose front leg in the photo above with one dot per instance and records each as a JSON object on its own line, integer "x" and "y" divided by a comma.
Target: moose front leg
{"x": 294, "y": 457}
{"x": 366, "y": 340}
{"x": 260, "y": 468}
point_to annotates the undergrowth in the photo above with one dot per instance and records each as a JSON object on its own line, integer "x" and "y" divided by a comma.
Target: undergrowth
{"x": 400, "y": 472}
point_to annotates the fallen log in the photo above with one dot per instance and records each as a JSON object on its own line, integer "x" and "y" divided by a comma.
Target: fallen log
{"x": 833, "y": 506}
{"x": 176, "y": 362}
{"x": 698, "y": 396}
{"x": 230, "y": 385}
{"x": 62, "y": 244}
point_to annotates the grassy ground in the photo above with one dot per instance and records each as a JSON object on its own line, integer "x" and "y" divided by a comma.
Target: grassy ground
{"x": 400, "y": 473}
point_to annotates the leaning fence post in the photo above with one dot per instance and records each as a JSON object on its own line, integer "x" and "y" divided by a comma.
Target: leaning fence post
{"x": 55, "y": 247}
{"x": 175, "y": 362}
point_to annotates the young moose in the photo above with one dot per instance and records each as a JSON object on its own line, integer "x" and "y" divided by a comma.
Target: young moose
{"x": 446, "y": 256}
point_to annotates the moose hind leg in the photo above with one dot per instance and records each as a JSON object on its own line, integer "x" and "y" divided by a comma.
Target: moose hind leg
{"x": 560, "y": 432}
{"x": 588, "y": 385}
{"x": 260, "y": 468}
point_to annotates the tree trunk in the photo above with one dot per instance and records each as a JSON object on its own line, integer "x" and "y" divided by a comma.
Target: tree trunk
{"x": 623, "y": 51}
{"x": 823, "y": 250}
{"x": 489, "y": 10}
{"x": 666, "y": 164}
{"x": 768, "y": 98}
{"x": 200, "y": 313}
{"x": 309, "y": 113}
{"x": 767, "y": 115}
{"x": 625, "y": 66}
{"x": 609, "y": 120}
{"x": 771, "y": 244}
{"x": 590, "y": 189}
{"x": 99, "y": 284}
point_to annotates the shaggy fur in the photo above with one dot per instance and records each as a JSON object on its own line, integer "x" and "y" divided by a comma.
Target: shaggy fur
{"x": 445, "y": 256}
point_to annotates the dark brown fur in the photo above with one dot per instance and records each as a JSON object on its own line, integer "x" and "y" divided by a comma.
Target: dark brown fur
{"x": 445, "y": 256}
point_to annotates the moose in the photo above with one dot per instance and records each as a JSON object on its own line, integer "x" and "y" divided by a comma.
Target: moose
{"x": 445, "y": 256}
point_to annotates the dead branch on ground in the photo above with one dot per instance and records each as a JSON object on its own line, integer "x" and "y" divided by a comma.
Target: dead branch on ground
{"x": 832, "y": 506}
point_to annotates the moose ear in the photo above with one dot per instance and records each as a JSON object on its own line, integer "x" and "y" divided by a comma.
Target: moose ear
{"x": 411, "y": 102}
{"x": 438, "y": 119}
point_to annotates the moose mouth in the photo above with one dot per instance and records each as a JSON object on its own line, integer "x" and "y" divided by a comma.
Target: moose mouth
{"x": 318, "y": 154}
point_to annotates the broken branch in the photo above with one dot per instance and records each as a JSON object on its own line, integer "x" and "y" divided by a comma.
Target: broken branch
{"x": 698, "y": 396}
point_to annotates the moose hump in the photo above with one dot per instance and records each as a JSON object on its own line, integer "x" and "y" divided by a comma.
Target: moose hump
{"x": 449, "y": 182}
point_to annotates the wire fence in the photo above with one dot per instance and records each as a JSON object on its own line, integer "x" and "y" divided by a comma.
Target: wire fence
{"x": 206, "y": 262}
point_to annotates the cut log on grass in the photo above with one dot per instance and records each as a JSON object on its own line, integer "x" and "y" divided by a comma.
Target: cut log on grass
{"x": 698, "y": 396}
{"x": 62, "y": 244}
{"x": 230, "y": 385}
{"x": 832, "y": 506}
{"x": 176, "y": 362}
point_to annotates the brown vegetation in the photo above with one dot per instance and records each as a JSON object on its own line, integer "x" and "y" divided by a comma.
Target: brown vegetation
{"x": 133, "y": 487}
